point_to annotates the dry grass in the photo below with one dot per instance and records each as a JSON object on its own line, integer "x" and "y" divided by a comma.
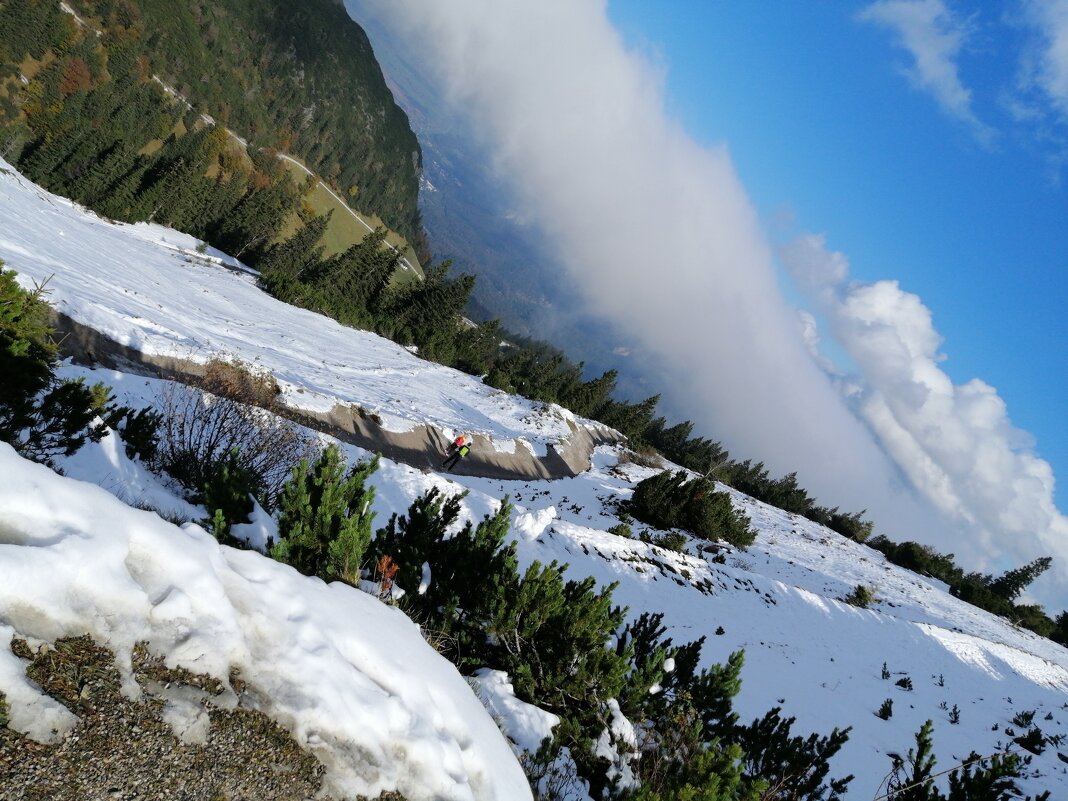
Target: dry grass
{"x": 241, "y": 382}
{"x": 644, "y": 456}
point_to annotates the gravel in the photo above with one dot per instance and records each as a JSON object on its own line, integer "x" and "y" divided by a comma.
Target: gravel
{"x": 127, "y": 750}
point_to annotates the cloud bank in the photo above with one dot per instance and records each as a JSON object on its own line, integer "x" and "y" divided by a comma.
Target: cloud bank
{"x": 663, "y": 240}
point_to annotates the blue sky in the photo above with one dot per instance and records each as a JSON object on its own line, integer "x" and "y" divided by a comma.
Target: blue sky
{"x": 833, "y": 231}
{"x": 829, "y": 133}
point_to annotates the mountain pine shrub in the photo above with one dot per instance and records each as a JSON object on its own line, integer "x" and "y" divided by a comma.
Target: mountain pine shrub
{"x": 861, "y": 597}
{"x": 989, "y": 778}
{"x": 549, "y": 635}
{"x": 140, "y": 433}
{"x": 886, "y": 710}
{"x": 42, "y": 416}
{"x": 324, "y": 517}
{"x": 1032, "y": 740}
{"x": 689, "y": 721}
{"x": 467, "y": 573}
{"x": 227, "y": 495}
{"x": 792, "y": 765}
{"x": 670, "y": 500}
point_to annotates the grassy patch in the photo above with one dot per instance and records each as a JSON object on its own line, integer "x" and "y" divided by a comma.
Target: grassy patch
{"x": 347, "y": 227}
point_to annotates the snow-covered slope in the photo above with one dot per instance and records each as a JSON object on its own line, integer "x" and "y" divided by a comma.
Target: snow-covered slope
{"x": 148, "y": 287}
{"x": 806, "y": 650}
{"x": 350, "y": 677}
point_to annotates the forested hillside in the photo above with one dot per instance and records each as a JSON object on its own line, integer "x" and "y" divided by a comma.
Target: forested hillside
{"x": 299, "y": 77}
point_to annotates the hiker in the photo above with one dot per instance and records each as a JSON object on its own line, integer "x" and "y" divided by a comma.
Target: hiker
{"x": 457, "y": 450}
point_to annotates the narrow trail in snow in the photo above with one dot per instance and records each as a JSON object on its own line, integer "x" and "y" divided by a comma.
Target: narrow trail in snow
{"x": 422, "y": 447}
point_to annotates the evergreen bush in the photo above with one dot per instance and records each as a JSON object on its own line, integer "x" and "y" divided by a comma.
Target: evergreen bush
{"x": 793, "y": 766}
{"x": 140, "y": 433}
{"x": 861, "y": 597}
{"x": 671, "y": 541}
{"x": 670, "y": 500}
{"x": 42, "y": 416}
{"x": 227, "y": 495}
{"x": 453, "y": 580}
{"x": 549, "y": 635}
{"x": 325, "y": 516}
{"x": 984, "y": 778}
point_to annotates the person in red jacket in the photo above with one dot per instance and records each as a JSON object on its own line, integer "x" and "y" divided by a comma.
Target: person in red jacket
{"x": 459, "y": 448}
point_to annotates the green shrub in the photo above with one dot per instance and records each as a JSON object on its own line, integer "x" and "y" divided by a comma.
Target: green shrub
{"x": 325, "y": 517}
{"x": 669, "y": 500}
{"x": 227, "y": 495}
{"x": 467, "y": 573}
{"x": 672, "y": 541}
{"x": 795, "y": 766}
{"x": 622, "y": 530}
{"x": 886, "y": 710}
{"x": 986, "y": 778}
{"x": 41, "y": 416}
{"x": 140, "y": 433}
{"x": 861, "y": 597}
{"x": 549, "y": 635}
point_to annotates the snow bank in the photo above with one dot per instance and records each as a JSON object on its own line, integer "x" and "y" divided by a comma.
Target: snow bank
{"x": 351, "y": 678}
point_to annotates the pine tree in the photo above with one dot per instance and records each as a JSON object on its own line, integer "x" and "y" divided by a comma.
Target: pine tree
{"x": 291, "y": 258}
{"x": 325, "y": 517}
{"x": 352, "y": 284}
{"x": 470, "y": 572}
{"x": 1012, "y": 583}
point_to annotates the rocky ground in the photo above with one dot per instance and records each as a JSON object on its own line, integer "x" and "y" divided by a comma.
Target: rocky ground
{"x": 125, "y": 749}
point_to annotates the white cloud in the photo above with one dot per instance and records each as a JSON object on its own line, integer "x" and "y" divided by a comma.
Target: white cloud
{"x": 933, "y": 36}
{"x": 1047, "y": 68}
{"x": 956, "y": 443}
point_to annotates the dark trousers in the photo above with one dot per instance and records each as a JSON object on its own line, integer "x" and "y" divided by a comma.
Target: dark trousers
{"x": 450, "y": 461}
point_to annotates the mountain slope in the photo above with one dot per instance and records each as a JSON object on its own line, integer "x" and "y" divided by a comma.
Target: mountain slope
{"x": 806, "y": 650}
{"x": 351, "y": 678}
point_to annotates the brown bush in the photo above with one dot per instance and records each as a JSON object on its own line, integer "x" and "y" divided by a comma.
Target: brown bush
{"x": 241, "y": 382}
